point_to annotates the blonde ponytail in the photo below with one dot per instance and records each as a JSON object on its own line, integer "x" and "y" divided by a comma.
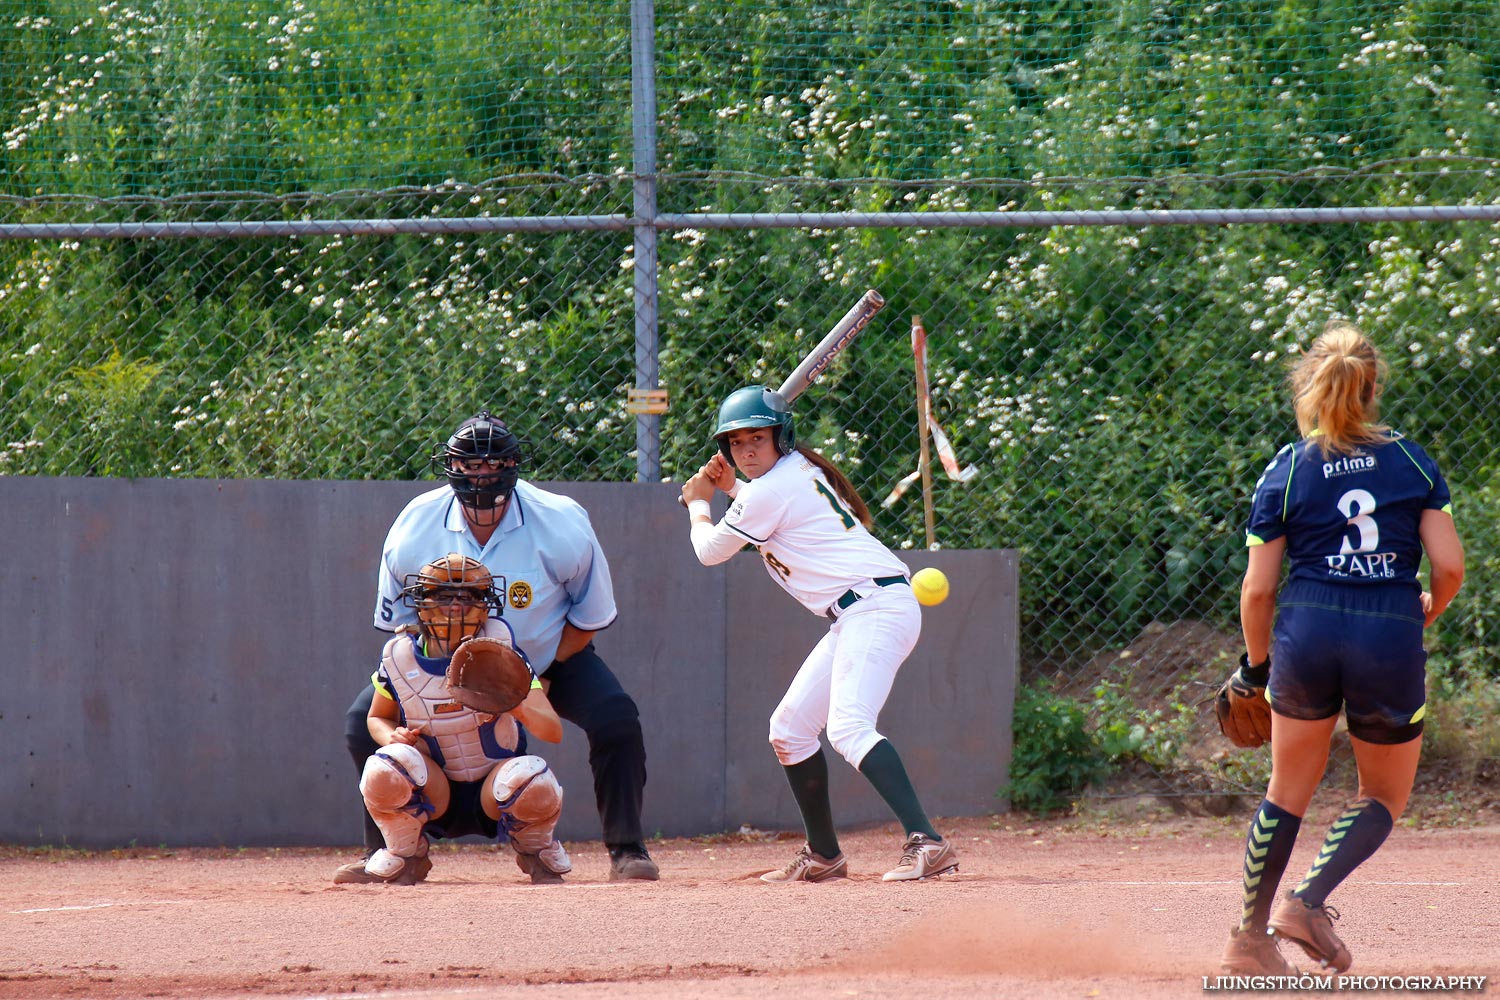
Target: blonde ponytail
{"x": 1336, "y": 390}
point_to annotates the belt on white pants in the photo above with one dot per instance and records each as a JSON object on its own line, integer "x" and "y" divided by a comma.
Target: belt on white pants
{"x": 848, "y": 597}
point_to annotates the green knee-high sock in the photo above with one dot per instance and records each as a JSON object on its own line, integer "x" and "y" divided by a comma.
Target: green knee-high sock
{"x": 809, "y": 781}
{"x": 883, "y": 767}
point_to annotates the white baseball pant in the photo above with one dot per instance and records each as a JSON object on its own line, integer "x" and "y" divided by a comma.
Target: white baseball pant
{"x": 845, "y": 680}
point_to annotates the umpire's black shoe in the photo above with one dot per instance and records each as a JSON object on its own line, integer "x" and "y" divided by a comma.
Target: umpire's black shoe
{"x": 630, "y": 861}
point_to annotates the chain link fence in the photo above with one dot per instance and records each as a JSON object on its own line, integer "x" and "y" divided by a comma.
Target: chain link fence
{"x": 1118, "y": 386}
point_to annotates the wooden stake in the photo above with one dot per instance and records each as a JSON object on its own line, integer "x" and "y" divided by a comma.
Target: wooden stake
{"x": 924, "y": 404}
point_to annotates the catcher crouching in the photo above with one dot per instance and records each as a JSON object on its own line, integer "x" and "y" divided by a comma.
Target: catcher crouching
{"x": 455, "y": 703}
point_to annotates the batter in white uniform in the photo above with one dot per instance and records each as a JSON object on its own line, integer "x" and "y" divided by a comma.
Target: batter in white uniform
{"x": 811, "y": 529}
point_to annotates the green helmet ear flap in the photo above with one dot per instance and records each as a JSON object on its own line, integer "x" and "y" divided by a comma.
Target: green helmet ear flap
{"x": 756, "y": 406}
{"x": 786, "y": 434}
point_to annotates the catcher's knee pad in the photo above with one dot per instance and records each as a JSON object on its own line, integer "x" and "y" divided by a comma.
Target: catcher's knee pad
{"x": 530, "y": 799}
{"x": 392, "y": 784}
{"x": 392, "y": 774}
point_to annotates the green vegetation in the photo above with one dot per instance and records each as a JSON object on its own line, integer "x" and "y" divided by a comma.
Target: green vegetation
{"x": 1064, "y": 744}
{"x": 1463, "y": 718}
{"x": 141, "y": 97}
{"x": 1055, "y": 757}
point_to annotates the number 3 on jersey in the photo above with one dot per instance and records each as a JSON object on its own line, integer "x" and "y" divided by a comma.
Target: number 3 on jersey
{"x": 838, "y": 508}
{"x": 1357, "y": 506}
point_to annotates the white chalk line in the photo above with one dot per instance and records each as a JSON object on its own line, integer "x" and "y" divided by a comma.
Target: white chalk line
{"x": 577, "y": 887}
{"x": 100, "y": 906}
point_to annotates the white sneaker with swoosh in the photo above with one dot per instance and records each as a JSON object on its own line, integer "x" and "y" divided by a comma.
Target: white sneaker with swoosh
{"x": 922, "y": 857}
{"x": 809, "y": 867}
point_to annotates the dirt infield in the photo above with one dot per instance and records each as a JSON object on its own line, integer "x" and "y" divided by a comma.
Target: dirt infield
{"x": 1040, "y": 910}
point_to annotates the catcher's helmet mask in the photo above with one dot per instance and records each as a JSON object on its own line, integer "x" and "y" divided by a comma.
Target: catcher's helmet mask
{"x": 453, "y": 581}
{"x": 481, "y": 460}
{"x": 756, "y": 406}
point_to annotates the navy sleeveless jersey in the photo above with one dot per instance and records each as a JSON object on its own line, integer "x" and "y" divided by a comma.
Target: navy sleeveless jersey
{"x": 1348, "y": 518}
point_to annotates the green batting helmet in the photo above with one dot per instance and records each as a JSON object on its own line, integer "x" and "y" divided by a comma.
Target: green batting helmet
{"x": 756, "y": 406}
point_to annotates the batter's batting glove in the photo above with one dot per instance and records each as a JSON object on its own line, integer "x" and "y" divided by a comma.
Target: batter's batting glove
{"x": 1241, "y": 707}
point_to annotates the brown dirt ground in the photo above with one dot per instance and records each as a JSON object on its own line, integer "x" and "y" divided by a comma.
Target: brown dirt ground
{"x": 1105, "y": 907}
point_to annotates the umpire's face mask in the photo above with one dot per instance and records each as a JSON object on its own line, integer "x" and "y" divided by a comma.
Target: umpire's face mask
{"x": 483, "y": 485}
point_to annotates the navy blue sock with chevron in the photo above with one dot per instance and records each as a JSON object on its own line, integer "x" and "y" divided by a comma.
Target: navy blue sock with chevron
{"x": 1352, "y": 839}
{"x": 1268, "y": 848}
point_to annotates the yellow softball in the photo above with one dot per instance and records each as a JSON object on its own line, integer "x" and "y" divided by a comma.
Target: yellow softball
{"x": 930, "y": 586}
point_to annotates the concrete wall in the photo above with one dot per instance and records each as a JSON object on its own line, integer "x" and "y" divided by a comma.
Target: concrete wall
{"x": 181, "y": 653}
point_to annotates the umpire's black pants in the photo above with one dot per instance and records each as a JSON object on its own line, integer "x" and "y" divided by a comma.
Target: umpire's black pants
{"x": 585, "y": 692}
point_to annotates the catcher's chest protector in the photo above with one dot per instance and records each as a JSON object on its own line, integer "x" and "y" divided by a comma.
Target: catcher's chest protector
{"x": 466, "y": 754}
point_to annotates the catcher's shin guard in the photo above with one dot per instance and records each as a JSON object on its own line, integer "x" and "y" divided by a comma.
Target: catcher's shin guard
{"x": 392, "y": 785}
{"x": 530, "y": 801}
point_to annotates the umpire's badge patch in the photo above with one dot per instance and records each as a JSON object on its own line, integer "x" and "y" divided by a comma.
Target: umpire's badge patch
{"x": 519, "y": 594}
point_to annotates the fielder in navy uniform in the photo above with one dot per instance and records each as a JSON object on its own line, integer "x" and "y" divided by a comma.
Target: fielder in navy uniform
{"x": 557, "y": 594}
{"x": 1351, "y": 509}
{"x": 443, "y": 769}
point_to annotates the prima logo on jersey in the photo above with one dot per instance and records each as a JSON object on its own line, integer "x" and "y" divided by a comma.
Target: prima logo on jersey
{"x": 1350, "y": 463}
{"x": 519, "y": 594}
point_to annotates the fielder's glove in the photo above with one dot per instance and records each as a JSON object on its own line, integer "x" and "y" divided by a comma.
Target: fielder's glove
{"x": 487, "y": 675}
{"x": 1242, "y": 709}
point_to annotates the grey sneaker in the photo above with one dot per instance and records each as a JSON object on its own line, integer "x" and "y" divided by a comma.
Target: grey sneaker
{"x": 632, "y": 862}
{"x": 922, "y": 857}
{"x": 1311, "y": 929}
{"x": 809, "y": 867}
{"x": 379, "y": 868}
{"x": 1254, "y": 953}
{"x": 547, "y": 866}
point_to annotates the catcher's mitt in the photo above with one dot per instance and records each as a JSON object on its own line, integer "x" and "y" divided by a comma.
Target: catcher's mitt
{"x": 487, "y": 675}
{"x": 1242, "y": 709}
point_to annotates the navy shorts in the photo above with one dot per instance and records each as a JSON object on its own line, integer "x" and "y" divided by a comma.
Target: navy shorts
{"x": 1355, "y": 648}
{"x": 465, "y": 816}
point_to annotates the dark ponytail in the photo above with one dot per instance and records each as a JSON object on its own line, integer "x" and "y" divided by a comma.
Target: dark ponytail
{"x": 840, "y": 483}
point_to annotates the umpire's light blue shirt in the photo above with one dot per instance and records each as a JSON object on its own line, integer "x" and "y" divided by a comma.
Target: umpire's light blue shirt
{"x": 546, "y": 559}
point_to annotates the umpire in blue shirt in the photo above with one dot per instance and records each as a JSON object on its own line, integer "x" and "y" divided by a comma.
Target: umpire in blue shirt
{"x": 557, "y": 593}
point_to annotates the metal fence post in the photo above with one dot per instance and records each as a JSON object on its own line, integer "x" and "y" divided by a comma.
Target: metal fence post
{"x": 643, "y": 132}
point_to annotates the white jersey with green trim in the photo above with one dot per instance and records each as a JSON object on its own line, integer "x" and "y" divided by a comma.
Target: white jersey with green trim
{"x": 811, "y": 543}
